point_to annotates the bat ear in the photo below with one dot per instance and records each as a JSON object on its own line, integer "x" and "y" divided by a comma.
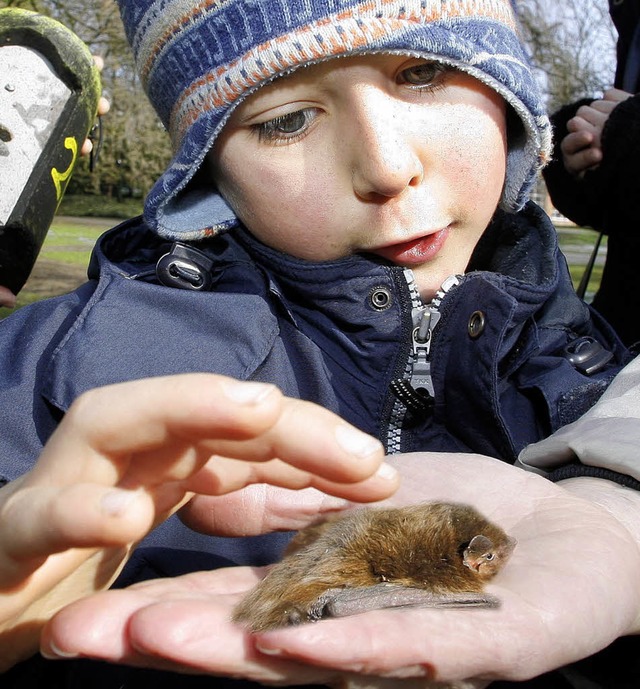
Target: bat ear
{"x": 509, "y": 546}
{"x": 480, "y": 545}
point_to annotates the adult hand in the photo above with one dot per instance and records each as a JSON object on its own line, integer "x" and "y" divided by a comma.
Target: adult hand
{"x": 582, "y": 147}
{"x": 7, "y": 297}
{"x": 558, "y": 604}
{"x": 126, "y": 456}
{"x": 103, "y": 108}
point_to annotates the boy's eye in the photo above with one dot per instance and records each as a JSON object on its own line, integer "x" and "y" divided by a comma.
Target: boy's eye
{"x": 285, "y": 127}
{"x": 423, "y": 74}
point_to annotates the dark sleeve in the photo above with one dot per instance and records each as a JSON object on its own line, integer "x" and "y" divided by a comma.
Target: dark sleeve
{"x": 577, "y": 199}
{"x": 619, "y": 173}
{"x": 605, "y": 197}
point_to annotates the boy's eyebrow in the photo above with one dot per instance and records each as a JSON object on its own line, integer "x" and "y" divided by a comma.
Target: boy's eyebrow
{"x": 261, "y": 101}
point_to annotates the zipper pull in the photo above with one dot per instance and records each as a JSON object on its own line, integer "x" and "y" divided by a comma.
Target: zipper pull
{"x": 425, "y": 320}
{"x": 416, "y": 392}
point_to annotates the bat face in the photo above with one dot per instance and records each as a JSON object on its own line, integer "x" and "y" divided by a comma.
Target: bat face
{"x": 485, "y": 557}
{"x": 431, "y": 554}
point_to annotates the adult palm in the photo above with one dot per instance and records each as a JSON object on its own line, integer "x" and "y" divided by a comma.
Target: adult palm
{"x": 568, "y": 590}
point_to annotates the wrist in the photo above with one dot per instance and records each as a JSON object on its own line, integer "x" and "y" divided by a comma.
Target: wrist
{"x": 621, "y": 503}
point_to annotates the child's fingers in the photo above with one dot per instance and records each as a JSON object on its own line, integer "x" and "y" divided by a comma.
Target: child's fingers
{"x": 157, "y": 435}
{"x": 312, "y": 439}
{"x": 109, "y": 429}
{"x": 220, "y": 508}
{"x": 156, "y": 430}
{"x": 145, "y": 414}
{"x": 41, "y": 521}
{"x": 258, "y": 509}
{"x": 223, "y": 475}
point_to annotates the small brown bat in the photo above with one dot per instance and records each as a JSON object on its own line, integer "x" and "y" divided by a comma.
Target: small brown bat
{"x": 433, "y": 554}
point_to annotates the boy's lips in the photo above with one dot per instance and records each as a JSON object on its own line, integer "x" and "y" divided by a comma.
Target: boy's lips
{"x": 415, "y": 251}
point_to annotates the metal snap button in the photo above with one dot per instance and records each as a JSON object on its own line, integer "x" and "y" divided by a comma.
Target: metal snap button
{"x": 476, "y": 325}
{"x": 380, "y": 298}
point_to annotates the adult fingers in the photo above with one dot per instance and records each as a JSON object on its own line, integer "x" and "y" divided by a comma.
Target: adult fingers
{"x": 616, "y": 95}
{"x": 603, "y": 107}
{"x": 7, "y": 297}
{"x": 580, "y": 153}
{"x": 152, "y": 625}
{"x": 576, "y": 142}
{"x": 448, "y": 645}
{"x": 199, "y": 635}
{"x": 594, "y": 115}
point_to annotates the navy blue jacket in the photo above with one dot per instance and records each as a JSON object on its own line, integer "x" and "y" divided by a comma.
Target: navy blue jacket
{"x": 488, "y": 367}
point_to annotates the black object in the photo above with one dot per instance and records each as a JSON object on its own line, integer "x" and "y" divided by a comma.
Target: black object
{"x": 33, "y": 180}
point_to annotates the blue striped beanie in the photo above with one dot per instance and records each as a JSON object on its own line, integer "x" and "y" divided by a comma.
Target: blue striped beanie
{"x": 198, "y": 59}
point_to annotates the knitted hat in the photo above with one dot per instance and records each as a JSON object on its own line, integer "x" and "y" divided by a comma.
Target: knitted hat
{"x": 198, "y": 59}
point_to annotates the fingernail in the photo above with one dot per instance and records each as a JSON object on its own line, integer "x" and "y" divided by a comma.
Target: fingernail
{"x": 247, "y": 392}
{"x": 356, "y": 442}
{"x": 329, "y": 503}
{"x": 387, "y": 472}
{"x": 268, "y": 651}
{"x": 116, "y": 502}
{"x": 54, "y": 653}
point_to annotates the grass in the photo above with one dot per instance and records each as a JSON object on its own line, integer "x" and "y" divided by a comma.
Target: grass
{"x": 88, "y": 206}
{"x": 577, "y": 244}
{"x": 63, "y": 261}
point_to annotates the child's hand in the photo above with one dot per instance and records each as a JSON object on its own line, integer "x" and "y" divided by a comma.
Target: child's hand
{"x": 126, "y": 456}
{"x": 558, "y": 601}
{"x": 582, "y": 147}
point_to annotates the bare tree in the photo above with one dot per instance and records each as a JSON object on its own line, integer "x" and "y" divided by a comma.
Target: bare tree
{"x": 572, "y": 46}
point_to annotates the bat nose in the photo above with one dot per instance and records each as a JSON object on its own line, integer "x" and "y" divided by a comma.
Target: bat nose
{"x": 474, "y": 562}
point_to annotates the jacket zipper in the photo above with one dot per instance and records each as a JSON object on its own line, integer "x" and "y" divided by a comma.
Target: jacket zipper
{"x": 414, "y": 391}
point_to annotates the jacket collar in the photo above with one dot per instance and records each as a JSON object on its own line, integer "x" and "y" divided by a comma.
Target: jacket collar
{"x": 329, "y": 303}
{"x": 518, "y": 253}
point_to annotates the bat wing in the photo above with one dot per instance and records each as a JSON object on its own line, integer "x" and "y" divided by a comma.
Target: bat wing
{"x": 342, "y": 602}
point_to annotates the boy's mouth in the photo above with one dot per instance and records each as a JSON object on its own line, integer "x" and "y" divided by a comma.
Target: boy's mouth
{"x": 415, "y": 251}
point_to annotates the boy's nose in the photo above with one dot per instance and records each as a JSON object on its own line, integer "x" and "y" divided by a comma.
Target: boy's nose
{"x": 386, "y": 159}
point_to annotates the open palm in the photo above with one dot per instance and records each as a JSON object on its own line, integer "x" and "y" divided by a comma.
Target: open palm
{"x": 568, "y": 591}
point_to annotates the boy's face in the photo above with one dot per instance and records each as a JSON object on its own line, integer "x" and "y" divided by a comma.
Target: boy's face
{"x": 379, "y": 154}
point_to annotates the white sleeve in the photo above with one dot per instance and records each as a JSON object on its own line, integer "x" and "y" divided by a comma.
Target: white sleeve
{"x": 607, "y": 436}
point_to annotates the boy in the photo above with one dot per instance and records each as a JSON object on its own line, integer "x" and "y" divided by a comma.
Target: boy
{"x": 345, "y": 203}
